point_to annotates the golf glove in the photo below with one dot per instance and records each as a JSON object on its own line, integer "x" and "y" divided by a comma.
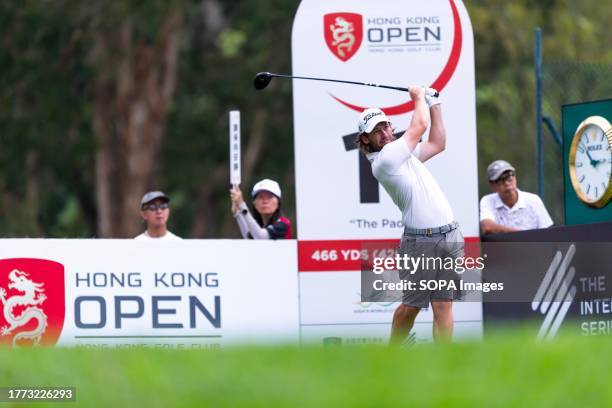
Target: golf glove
{"x": 430, "y": 97}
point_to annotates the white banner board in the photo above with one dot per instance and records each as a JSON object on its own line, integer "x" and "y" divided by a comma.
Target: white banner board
{"x": 331, "y": 307}
{"x": 120, "y": 293}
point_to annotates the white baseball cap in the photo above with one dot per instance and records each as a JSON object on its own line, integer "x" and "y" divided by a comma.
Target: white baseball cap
{"x": 266, "y": 185}
{"x": 369, "y": 118}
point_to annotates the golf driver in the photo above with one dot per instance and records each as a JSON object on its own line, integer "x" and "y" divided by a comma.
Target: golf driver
{"x": 262, "y": 80}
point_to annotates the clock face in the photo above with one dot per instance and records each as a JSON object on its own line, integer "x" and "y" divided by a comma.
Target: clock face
{"x": 591, "y": 161}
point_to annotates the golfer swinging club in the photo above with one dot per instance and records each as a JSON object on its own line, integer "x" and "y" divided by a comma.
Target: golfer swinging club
{"x": 430, "y": 227}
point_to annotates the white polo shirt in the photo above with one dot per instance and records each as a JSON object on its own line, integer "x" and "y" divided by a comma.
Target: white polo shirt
{"x": 411, "y": 186}
{"x": 527, "y": 213}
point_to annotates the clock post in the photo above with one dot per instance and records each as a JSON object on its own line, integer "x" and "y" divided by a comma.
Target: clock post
{"x": 587, "y": 153}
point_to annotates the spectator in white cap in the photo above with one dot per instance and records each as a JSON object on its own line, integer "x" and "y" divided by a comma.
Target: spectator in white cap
{"x": 266, "y": 221}
{"x": 509, "y": 209}
{"x": 155, "y": 210}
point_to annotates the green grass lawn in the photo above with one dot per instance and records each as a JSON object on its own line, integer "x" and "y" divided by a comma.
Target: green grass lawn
{"x": 505, "y": 370}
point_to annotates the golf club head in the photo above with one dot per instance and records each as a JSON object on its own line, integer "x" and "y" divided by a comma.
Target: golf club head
{"x": 262, "y": 80}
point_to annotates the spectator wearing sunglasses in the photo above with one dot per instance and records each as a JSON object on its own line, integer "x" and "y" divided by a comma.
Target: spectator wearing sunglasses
{"x": 155, "y": 210}
{"x": 509, "y": 209}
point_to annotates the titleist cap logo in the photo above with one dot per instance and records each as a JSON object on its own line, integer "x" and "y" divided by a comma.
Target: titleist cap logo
{"x": 369, "y": 118}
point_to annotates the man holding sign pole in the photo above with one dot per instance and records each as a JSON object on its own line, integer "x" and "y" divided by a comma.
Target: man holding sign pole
{"x": 429, "y": 225}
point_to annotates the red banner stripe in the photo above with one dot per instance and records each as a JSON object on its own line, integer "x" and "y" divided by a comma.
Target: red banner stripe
{"x": 348, "y": 255}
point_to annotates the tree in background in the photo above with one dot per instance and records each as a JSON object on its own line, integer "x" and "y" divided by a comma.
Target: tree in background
{"x": 505, "y": 80}
{"x": 101, "y": 101}
{"x": 134, "y": 59}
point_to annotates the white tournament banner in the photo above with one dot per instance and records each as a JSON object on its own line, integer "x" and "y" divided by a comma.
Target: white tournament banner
{"x": 341, "y": 209}
{"x": 123, "y": 293}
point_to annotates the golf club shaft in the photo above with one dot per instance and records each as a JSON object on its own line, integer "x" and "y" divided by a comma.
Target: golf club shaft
{"x": 397, "y": 88}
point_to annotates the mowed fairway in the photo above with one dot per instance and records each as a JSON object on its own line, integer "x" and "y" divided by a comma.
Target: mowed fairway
{"x": 502, "y": 371}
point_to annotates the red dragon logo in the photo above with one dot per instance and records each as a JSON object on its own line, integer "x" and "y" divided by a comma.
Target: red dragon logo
{"x": 31, "y": 302}
{"x": 343, "y": 34}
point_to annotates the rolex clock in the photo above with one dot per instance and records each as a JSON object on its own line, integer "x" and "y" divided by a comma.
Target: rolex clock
{"x": 590, "y": 161}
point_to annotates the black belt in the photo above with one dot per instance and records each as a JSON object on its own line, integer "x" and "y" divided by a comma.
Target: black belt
{"x": 432, "y": 231}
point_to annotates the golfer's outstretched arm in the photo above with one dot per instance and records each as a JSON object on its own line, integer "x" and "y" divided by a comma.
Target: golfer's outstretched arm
{"x": 420, "y": 117}
{"x": 437, "y": 135}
